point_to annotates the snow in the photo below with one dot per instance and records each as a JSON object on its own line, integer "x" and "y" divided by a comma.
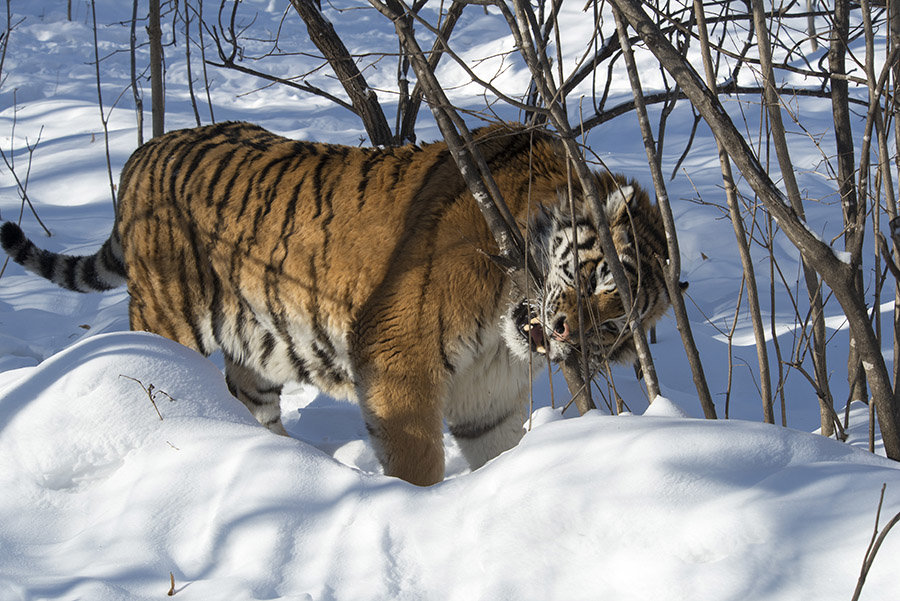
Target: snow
{"x": 103, "y": 499}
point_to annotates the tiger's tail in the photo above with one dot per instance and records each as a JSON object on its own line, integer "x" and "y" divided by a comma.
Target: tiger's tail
{"x": 103, "y": 270}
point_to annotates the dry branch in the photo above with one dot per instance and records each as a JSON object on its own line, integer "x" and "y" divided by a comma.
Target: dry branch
{"x": 362, "y": 97}
{"x": 673, "y": 269}
{"x": 874, "y": 545}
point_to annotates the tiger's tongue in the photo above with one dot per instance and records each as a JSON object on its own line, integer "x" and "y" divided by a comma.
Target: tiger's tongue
{"x": 536, "y": 333}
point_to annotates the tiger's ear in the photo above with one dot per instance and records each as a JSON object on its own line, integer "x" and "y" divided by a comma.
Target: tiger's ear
{"x": 620, "y": 197}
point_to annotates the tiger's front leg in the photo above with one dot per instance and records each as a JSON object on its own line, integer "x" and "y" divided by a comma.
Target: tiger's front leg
{"x": 401, "y": 408}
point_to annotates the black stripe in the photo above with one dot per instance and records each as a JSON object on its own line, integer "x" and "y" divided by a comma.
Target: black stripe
{"x": 226, "y": 198}
{"x": 240, "y": 326}
{"x": 515, "y": 143}
{"x": 69, "y": 266}
{"x": 46, "y": 262}
{"x": 440, "y": 161}
{"x": 266, "y": 198}
{"x": 274, "y": 307}
{"x": 216, "y": 176}
{"x": 188, "y": 306}
{"x": 299, "y": 365}
{"x": 257, "y": 400}
{"x": 327, "y": 202}
{"x": 278, "y": 318}
{"x": 471, "y": 431}
{"x": 627, "y": 266}
{"x": 216, "y": 310}
{"x": 271, "y": 420}
{"x": 268, "y": 347}
{"x": 374, "y": 157}
{"x": 199, "y": 151}
{"x": 170, "y": 153}
{"x": 396, "y": 174}
{"x": 442, "y": 343}
{"x": 274, "y": 389}
{"x": 90, "y": 277}
{"x": 322, "y": 348}
{"x": 163, "y": 324}
{"x": 302, "y": 149}
{"x": 181, "y": 205}
{"x": 251, "y": 193}
{"x": 109, "y": 260}
{"x": 317, "y": 183}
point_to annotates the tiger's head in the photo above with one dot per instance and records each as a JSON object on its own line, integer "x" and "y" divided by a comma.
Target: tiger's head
{"x": 545, "y": 321}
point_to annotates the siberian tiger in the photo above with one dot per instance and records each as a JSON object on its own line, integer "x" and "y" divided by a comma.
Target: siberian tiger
{"x": 367, "y": 272}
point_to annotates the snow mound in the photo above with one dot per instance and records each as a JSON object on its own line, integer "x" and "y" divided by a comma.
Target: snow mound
{"x": 103, "y": 499}
{"x": 664, "y": 407}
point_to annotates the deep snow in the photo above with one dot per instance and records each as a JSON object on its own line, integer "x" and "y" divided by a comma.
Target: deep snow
{"x": 102, "y": 499}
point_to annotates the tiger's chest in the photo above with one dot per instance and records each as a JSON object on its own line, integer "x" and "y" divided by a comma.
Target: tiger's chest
{"x": 489, "y": 380}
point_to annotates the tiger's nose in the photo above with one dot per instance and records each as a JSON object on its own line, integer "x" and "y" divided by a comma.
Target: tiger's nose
{"x": 561, "y": 329}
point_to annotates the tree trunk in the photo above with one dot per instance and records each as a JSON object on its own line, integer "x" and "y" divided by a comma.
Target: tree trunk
{"x": 157, "y": 92}
{"x": 740, "y": 235}
{"x": 135, "y": 90}
{"x": 843, "y": 134}
{"x": 362, "y": 97}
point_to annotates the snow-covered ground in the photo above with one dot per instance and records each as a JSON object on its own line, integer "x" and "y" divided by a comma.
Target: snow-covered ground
{"x": 101, "y": 497}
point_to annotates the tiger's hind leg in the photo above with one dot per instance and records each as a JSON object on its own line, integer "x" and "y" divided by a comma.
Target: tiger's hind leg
{"x": 261, "y": 396}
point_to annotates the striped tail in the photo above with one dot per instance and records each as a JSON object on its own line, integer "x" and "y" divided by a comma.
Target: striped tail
{"x": 103, "y": 270}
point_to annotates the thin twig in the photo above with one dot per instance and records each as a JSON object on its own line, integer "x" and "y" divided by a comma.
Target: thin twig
{"x": 874, "y": 545}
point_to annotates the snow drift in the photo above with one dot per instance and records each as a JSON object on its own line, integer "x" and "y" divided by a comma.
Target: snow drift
{"x": 102, "y": 499}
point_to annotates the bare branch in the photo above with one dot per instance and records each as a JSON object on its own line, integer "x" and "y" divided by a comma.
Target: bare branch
{"x": 874, "y": 545}
{"x": 362, "y": 97}
{"x": 673, "y": 269}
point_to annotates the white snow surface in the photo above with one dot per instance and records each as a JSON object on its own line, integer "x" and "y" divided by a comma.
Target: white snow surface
{"x": 102, "y": 498}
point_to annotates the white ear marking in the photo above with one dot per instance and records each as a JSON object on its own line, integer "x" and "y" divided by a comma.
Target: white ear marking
{"x": 622, "y": 195}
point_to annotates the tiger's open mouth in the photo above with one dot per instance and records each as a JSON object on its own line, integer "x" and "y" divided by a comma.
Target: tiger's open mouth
{"x": 529, "y": 327}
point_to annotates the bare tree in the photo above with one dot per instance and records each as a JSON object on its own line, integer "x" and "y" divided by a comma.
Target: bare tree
{"x": 135, "y": 88}
{"x": 362, "y": 97}
{"x": 837, "y": 274}
{"x": 157, "y": 91}
{"x": 104, "y": 119}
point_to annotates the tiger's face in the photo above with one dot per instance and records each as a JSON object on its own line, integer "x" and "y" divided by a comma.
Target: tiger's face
{"x": 546, "y": 322}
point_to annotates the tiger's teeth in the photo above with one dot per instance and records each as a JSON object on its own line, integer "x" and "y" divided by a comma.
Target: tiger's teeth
{"x": 541, "y": 349}
{"x": 535, "y": 321}
{"x": 526, "y": 327}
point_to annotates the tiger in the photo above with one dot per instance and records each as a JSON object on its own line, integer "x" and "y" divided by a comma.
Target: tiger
{"x": 370, "y": 273}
